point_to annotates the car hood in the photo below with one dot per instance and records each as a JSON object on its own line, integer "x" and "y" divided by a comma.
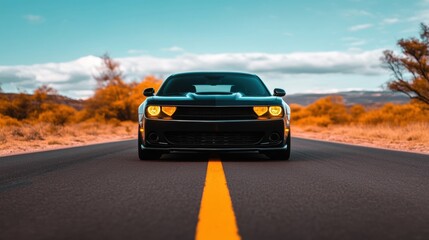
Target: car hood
{"x": 193, "y": 99}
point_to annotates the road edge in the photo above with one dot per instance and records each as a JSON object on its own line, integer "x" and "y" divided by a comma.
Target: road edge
{"x": 360, "y": 145}
{"x": 66, "y": 147}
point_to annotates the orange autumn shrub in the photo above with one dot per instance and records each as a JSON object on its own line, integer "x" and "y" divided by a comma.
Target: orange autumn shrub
{"x": 332, "y": 111}
{"x": 6, "y": 121}
{"x": 323, "y": 112}
{"x": 118, "y": 101}
{"x": 20, "y": 107}
{"x": 395, "y": 114}
{"x": 356, "y": 111}
{"x": 58, "y": 114}
{"x": 115, "y": 101}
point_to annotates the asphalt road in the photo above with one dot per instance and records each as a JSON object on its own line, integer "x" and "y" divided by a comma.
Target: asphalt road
{"x": 327, "y": 191}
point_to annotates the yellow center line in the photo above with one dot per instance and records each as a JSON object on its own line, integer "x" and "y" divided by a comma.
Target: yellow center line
{"x": 216, "y": 219}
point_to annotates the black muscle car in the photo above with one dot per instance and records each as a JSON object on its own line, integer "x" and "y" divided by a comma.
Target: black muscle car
{"x": 214, "y": 111}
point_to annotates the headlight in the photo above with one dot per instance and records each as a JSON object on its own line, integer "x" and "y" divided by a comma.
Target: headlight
{"x": 160, "y": 111}
{"x": 260, "y": 110}
{"x": 268, "y": 111}
{"x": 168, "y": 110}
{"x": 275, "y": 111}
{"x": 153, "y": 111}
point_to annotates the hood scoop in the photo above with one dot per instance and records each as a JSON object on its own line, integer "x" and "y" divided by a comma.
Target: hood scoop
{"x": 217, "y": 97}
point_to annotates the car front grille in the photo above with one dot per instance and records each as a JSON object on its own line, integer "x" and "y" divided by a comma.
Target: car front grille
{"x": 213, "y": 139}
{"x": 214, "y": 113}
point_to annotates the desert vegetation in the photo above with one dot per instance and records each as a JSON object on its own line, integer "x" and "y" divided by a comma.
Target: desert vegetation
{"x": 44, "y": 119}
{"x": 398, "y": 126}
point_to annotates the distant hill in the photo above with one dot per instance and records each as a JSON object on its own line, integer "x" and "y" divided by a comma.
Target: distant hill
{"x": 76, "y": 104}
{"x": 366, "y": 98}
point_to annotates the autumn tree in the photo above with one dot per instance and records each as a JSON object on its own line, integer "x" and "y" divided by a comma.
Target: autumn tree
{"x": 114, "y": 98}
{"x": 46, "y": 90}
{"x": 410, "y": 70}
{"x": 109, "y": 73}
{"x": 40, "y": 97}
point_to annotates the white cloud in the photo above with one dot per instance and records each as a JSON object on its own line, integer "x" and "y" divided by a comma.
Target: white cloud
{"x": 356, "y": 13}
{"x": 360, "y": 27}
{"x": 75, "y": 78}
{"x": 387, "y": 21}
{"x": 66, "y": 77}
{"x": 174, "y": 49}
{"x": 34, "y": 18}
{"x": 365, "y": 63}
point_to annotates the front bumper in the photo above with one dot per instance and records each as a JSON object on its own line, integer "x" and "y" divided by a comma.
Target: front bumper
{"x": 225, "y": 135}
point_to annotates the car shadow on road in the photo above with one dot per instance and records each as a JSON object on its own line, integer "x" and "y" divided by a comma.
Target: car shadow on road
{"x": 225, "y": 157}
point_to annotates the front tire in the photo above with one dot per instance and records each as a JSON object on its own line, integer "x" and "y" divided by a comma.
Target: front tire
{"x": 281, "y": 154}
{"x": 145, "y": 154}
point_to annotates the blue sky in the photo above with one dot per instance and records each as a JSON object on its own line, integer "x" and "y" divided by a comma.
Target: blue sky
{"x": 46, "y": 32}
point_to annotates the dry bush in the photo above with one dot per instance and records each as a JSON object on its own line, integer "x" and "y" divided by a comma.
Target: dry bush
{"x": 52, "y": 130}
{"x": 323, "y": 112}
{"x": 332, "y": 111}
{"x": 19, "y": 108}
{"x": 321, "y": 121}
{"x": 409, "y": 136}
{"x": 395, "y": 114}
{"x": 356, "y": 111}
{"x": 6, "y": 121}
{"x": 58, "y": 115}
{"x": 17, "y": 132}
{"x": 298, "y": 112}
{"x": 33, "y": 134}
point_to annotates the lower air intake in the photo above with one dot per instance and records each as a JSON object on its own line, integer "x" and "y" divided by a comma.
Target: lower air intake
{"x": 213, "y": 139}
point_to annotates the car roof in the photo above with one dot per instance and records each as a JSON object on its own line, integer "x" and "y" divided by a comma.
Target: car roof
{"x": 212, "y": 73}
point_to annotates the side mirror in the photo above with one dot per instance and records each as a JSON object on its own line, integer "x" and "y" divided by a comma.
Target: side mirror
{"x": 148, "y": 92}
{"x": 278, "y": 92}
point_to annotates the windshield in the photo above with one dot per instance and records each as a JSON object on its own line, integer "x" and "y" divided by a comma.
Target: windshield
{"x": 248, "y": 85}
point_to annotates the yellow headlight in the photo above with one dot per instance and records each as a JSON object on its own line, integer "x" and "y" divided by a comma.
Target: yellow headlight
{"x": 260, "y": 110}
{"x": 275, "y": 111}
{"x": 168, "y": 110}
{"x": 153, "y": 110}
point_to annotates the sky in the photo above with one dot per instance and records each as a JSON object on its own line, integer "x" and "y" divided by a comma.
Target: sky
{"x": 301, "y": 46}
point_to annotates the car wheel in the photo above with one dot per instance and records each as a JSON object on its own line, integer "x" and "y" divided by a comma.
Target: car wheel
{"x": 146, "y": 154}
{"x": 281, "y": 154}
